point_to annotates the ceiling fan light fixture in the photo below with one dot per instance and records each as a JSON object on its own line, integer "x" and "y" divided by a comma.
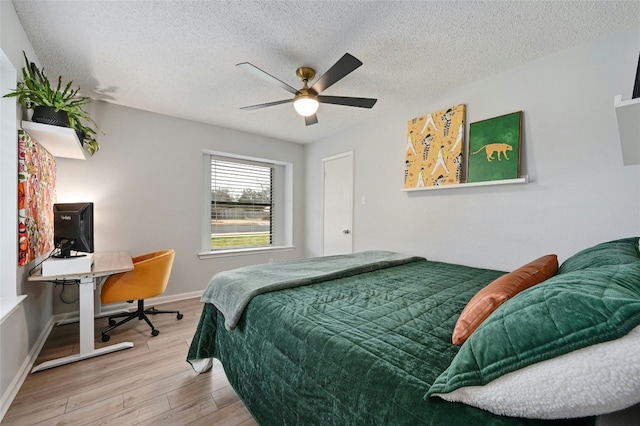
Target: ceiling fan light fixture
{"x": 306, "y": 105}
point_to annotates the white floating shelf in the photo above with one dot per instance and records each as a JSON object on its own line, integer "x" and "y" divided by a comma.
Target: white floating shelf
{"x": 523, "y": 179}
{"x": 59, "y": 141}
{"x": 628, "y": 116}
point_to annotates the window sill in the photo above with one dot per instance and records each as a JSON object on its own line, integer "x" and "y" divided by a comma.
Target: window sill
{"x": 242, "y": 252}
{"x": 8, "y": 305}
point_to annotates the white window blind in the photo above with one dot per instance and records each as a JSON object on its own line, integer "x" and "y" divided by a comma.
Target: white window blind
{"x": 241, "y": 203}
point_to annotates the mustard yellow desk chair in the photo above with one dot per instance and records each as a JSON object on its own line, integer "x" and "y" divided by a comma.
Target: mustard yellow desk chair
{"x": 148, "y": 278}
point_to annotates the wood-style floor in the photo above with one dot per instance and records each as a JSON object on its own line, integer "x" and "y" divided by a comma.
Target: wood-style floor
{"x": 149, "y": 384}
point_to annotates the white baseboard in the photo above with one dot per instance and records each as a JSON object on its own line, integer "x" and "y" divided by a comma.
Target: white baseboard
{"x": 24, "y": 370}
{"x": 124, "y": 306}
{"x": 155, "y": 301}
{"x": 173, "y": 298}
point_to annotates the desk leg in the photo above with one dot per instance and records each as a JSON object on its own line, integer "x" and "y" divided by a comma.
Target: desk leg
{"x": 87, "y": 336}
{"x": 98, "y": 312}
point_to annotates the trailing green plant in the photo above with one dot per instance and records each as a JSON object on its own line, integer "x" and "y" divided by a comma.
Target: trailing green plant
{"x": 86, "y": 132}
{"x": 36, "y": 90}
{"x": 90, "y": 143}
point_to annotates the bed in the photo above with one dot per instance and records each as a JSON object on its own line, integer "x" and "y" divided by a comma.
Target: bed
{"x": 367, "y": 339}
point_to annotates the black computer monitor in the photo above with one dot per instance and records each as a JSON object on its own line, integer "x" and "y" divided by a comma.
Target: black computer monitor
{"x": 73, "y": 228}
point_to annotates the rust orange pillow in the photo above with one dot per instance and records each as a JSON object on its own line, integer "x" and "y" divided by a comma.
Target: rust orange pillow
{"x": 499, "y": 291}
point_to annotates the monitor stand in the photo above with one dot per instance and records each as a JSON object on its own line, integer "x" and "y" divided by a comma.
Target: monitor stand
{"x": 65, "y": 250}
{"x": 67, "y": 256}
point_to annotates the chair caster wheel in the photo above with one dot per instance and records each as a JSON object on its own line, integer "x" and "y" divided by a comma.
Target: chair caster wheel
{"x": 179, "y": 316}
{"x": 112, "y": 322}
{"x": 105, "y": 337}
{"x": 155, "y": 332}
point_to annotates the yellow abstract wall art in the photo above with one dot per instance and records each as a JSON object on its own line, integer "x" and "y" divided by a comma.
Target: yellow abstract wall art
{"x": 434, "y": 148}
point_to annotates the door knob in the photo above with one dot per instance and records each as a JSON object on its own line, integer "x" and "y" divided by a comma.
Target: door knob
{"x": 346, "y": 231}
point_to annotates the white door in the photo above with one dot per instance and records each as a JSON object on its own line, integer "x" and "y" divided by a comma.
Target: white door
{"x": 338, "y": 204}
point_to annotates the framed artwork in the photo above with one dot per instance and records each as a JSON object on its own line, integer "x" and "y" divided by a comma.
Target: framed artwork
{"x": 36, "y": 194}
{"x": 494, "y": 148}
{"x": 434, "y": 145}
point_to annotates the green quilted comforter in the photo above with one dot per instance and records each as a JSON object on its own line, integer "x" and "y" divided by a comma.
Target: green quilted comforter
{"x": 361, "y": 350}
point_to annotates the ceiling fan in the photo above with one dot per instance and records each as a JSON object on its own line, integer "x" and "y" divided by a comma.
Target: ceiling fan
{"x": 307, "y": 99}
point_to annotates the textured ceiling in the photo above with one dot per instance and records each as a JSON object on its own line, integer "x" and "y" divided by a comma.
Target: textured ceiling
{"x": 178, "y": 57}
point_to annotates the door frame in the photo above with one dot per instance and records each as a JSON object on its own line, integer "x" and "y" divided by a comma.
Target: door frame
{"x": 350, "y": 155}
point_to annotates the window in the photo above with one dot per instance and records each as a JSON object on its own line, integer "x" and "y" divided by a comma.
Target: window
{"x": 241, "y": 204}
{"x": 246, "y": 204}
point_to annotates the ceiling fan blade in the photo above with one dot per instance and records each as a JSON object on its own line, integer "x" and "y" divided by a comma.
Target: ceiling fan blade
{"x": 348, "y": 101}
{"x": 266, "y": 76}
{"x": 312, "y": 119}
{"x": 268, "y": 104}
{"x": 338, "y": 71}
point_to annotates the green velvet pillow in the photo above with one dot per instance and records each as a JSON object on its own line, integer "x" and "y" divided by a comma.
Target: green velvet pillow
{"x": 618, "y": 252}
{"x": 567, "y": 312}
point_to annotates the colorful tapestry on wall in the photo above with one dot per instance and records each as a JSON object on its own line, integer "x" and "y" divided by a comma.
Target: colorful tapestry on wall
{"x": 435, "y": 143}
{"x": 36, "y": 195}
{"x": 494, "y": 148}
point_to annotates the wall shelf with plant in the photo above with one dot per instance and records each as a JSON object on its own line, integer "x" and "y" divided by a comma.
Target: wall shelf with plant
{"x": 59, "y": 106}
{"x": 61, "y": 142}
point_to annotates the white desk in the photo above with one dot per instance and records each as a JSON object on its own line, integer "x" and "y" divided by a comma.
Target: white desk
{"x": 103, "y": 264}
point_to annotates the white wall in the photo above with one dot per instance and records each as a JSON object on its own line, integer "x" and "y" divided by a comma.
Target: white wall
{"x": 580, "y": 193}
{"x": 146, "y": 183}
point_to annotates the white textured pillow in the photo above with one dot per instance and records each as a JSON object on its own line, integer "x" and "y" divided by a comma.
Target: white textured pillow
{"x": 595, "y": 380}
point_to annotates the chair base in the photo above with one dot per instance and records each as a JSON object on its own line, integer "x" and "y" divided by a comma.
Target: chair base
{"x": 141, "y": 314}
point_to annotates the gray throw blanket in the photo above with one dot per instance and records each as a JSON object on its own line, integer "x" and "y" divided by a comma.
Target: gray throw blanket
{"x": 231, "y": 291}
